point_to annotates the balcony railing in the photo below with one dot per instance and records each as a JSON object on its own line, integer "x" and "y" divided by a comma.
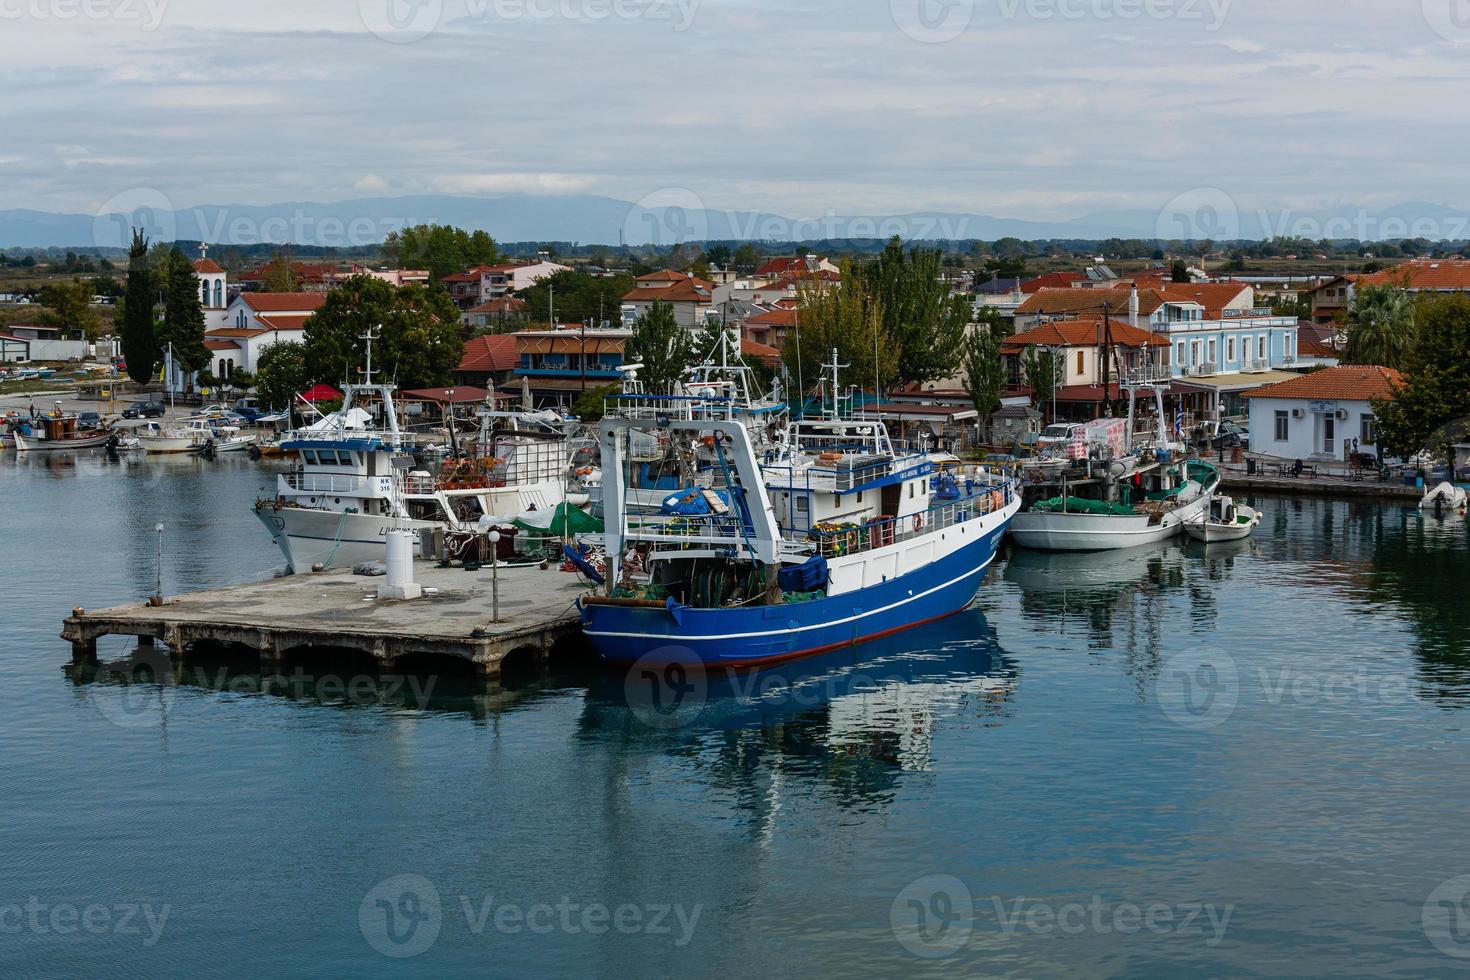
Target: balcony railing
{"x": 338, "y": 484}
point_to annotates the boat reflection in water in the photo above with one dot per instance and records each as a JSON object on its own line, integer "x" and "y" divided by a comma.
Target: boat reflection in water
{"x": 856, "y": 720}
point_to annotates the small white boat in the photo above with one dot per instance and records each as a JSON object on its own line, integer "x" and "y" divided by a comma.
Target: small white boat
{"x": 156, "y": 438}
{"x": 1446, "y": 495}
{"x": 225, "y": 440}
{"x": 1223, "y": 520}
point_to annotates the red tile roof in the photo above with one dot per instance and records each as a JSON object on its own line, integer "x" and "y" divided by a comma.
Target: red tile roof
{"x": 502, "y": 304}
{"x": 234, "y": 332}
{"x": 687, "y": 290}
{"x": 783, "y": 317}
{"x": 208, "y": 266}
{"x": 221, "y": 345}
{"x": 664, "y": 275}
{"x": 285, "y": 321}
{"x": 1056, "y": 301}
{"x": 1086, "y": 333}
{"x": 491, "y": 353}
{"x": 283, "y": 302}
{"x": 1052, "y": 280}
{"x": 763, "y": 352}
{"x": 1215, "y": 297}
{"x": 783, "y": 266}
{"x": 1315, "y": 348}
{"x": 1348, "y": 383}
{"x": 1425, "y": 274}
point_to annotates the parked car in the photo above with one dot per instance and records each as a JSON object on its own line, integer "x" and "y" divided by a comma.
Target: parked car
{"x": 1059, "y": 435}
{"x": 145, "y": 410}
{"x": 89, "y": 420}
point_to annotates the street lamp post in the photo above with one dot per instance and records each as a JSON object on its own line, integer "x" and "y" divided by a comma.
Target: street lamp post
{"x": 494, "y": 576}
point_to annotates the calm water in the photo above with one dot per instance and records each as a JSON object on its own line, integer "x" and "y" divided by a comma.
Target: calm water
{"x": 1252, "y": 763}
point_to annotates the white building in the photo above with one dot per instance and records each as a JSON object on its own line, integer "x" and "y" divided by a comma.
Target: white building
{"x": 1323, "y": 415}
{"x": 253, "y": 322}
{"x": 214, "y": 289}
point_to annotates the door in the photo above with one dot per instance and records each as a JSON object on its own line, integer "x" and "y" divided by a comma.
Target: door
{"x": 1329, "y": 435}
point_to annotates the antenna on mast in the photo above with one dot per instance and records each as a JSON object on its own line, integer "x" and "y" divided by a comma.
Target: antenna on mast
{"x": 369, "y": 337}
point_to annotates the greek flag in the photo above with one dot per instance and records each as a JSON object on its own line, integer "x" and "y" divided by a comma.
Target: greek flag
{"x": 1179, "y": 422}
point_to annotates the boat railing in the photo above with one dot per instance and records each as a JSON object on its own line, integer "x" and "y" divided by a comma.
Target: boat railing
{"x": 852, "y": 539}
{"x": 828, "y": 478}
{"x": 679, "y": 408}
{"x": 345, "y": 484}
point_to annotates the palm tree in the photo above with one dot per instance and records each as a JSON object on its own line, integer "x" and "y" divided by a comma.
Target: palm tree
{"x": 1380, "y": 326}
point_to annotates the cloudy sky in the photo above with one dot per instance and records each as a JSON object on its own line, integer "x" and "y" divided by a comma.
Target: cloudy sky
{"x": 1043, "y": 109}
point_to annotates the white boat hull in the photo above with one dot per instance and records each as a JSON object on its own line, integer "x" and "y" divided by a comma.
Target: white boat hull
{"x": 310, "y": 537}
{"x": 1448, "y": 495}
{"x": 29, "y": 444}
{"x": 1095, "y": 532}
{"x": 1213, "y": 532}
{"x": 167, "y": 444}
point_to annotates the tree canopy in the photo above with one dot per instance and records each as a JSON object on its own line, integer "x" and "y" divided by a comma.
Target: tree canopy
{"x": 281, "y": 373}
{"x": 663, "y": 347}
{"x": 983, "y": 372}
{"x": 579, "y": 298}
{"x": 278, "y": 276}
{"x": 1380, "y": 326}
{"x": 923, "y": 318}
{"x": 183, "y": 313}
{"x": 1432, "y": 409}
{"x": 420, "y": 344}
{"x": 139, "y": 345}
{"x": 845, "y": 318}
{"x": 441, "y": 249}
{"x": 69, "y": 306}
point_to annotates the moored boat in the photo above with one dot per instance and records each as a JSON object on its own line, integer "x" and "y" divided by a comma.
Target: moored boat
{"x": 57, "y": 432}
{"x": 837, "y": 539}
{"x": 1446, "y": 496}
{"x": 1223, "y": 520}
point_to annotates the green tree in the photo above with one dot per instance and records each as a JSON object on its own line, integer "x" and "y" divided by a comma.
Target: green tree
{"x": 845, "y": 318}
{"x": 663, "y": 347}
{"x": 922, "y": 317}
{"x": 589, "y": 407}
{"x": 747, "y": 258}
{"x": 139, "y": 343}
{"x": 1179, "y": 271}
{"x": 579, "y": 298}
{"x": 183, "y": 314}
{"x": 420, "y": 343}
{"x": 69, "y": 306}
{"x": 1043, "y": 370}
{"x": 279, "y": 276}
{"x": 1380, "y": 326}
{"x": 441, "y": 249}
{"x": 984, "y": 375}
{"x": 281, "y": 374}
{"x": 1432, "y": 408}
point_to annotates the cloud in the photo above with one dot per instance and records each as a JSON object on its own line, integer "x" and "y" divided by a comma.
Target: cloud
{"x": 798, "y": 108}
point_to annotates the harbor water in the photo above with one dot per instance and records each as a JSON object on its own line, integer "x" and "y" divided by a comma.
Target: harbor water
{"x": 1247, "y": 761}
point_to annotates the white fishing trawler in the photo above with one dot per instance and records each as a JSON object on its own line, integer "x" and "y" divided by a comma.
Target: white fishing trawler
{"x": 350, "y": 485}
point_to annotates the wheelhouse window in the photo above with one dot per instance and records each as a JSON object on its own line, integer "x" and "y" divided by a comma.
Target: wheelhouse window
{"x": 308, "y": 456}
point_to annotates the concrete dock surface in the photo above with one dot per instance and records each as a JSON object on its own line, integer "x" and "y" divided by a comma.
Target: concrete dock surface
{"x": 339, "y": 610}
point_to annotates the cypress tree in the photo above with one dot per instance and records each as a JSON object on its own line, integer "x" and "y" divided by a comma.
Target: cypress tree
{"x": 183, "y": 314}
{"x": 139, "y": 345}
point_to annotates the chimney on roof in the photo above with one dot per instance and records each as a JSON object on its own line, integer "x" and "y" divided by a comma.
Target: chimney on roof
{"x": 1133, "y": 307}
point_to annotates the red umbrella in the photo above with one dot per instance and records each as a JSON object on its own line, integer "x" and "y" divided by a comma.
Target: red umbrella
{"x": 320, "y": 393}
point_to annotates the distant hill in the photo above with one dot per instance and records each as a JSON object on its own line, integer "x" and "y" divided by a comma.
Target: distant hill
{"x": 675, "y": 215}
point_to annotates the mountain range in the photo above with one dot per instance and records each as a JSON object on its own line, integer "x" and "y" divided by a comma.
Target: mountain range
{"x": 667, "y": 218}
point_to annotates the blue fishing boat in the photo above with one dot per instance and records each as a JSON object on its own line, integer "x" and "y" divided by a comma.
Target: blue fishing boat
{"x": 825, "y": 536}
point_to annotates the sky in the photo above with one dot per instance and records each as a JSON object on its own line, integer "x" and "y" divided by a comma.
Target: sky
{"x": 1037, "y": 109}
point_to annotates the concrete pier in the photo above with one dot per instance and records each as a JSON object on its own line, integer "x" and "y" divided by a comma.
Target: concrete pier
{"x": 337, "y": 610}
